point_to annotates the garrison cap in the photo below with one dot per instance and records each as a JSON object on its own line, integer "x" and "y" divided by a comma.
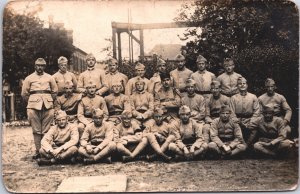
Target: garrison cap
{"x": 201, "y": 58}
{"x": 215, "y": 83}
{"x": 190, "y": 82}
{"x": 179, "y": 57}
{"x": 225, "y": 108}
{"x": 62, "y": 59}
{"x": 184, "y": 109}
{"x": 269, "y": 81}
{"x": 90, "y": 55}
{"x": 268, "y": 108}
{"x": 68, "y": 84}
{"x": 60, "y": 114}
{"x": 164, "y": 76}
{"x": 40, "y": 61}
{"x": 90, "y": 84}
{"x": 140, "y": 80}
{"x": 112, "y": 61}
{"x": 98, "y": 112}
{"x": 126, "y": 115}
{"x": 139, "y": 66}
{"x": 240, "y": 79}
{"x": 228, "y": 61}
{"x": 160, "y": 62}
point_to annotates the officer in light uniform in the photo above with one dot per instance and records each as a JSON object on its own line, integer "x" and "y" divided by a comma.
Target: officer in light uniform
{"x": 39, "y": 90}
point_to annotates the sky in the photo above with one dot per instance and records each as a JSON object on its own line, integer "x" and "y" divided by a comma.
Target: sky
{"x": 91, "y": 21}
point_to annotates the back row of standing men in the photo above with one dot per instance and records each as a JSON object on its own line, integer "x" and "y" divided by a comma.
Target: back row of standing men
{"x": 200, "y": 96}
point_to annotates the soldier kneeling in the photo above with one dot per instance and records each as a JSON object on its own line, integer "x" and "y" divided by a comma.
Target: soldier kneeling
{"x": 59, "y": 143}
{"x": 96, "y": 143}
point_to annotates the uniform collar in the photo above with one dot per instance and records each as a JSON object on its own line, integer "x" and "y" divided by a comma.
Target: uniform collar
{"x": 90, "y": 68}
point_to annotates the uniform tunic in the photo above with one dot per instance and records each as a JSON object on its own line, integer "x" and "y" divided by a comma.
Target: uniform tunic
{"x": 117, "y": 104}
{"x": 229, "y": 83}
{"x": 228, "y": 133}
{"x": 213, "y": 106}
{"x": 86, "y": 107}
{"x": 68, "y": 104}
{"x": 129, "y": 134}
{"x": 190, "y": 134}
{"x": 56, "y": 137}
{"x": 164, "y": 130}
{"x": 197, "y": 105}
{"x": 94, "y": 75}
{"x": 40, "y": 91}
{"x": 130, "y": 86}
{"x": 97, "y": 136}
{"x": 245, "y": 107}
{"x": 155, "y": 83}
{"x": 203, "y": 80}
{"x": 111, "y": 78}
{"x": 180, "y": 77}
{"x": 279, "y": 103}
{"x": 62, "y": 78}
{"x": 142, "y": 103}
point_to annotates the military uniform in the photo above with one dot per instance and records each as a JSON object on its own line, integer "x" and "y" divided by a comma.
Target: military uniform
{"x": 213, "y": 106}
{"x": 179, "y": 78}
{"x": 67, "y": 138}
{"x": 203, "y": 81}
{"x": 100, "y": 138}
{"x": 117, "y": 104}
{"x": 130, "y": 87}
{"x": 61, "y": 78}
{"x": 39, "y": 90}
{"x": 278, "y": 101}
{"x": 111, "y": 78}
{"x": 69, "y": 104}
{"x": 170, "y": 100}
{"x": 85, "y": 108}
{"x": 97, "y": 76}
{"x": 228, "y": 133}
{"x": 274, "y": 132}
{"x": 197, "y": 105}
{"x": 229, "y": 83}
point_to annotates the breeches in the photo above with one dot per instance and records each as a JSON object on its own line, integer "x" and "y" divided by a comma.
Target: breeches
{"x": 40, "y": 120}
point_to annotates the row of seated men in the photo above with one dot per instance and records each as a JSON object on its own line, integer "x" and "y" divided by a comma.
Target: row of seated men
{"x": 184, "y": 139}
{"x": 205, "y": 105}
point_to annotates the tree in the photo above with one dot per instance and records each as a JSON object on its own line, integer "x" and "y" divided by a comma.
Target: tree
{"x": 260, "y": 35}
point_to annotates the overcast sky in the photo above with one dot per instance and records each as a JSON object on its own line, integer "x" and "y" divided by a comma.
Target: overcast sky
{"x": 91, "y": 21}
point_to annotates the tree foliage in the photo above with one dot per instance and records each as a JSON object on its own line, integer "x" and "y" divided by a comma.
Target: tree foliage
{"x": 25, "y": 39}
{"x": 260, "y": 35}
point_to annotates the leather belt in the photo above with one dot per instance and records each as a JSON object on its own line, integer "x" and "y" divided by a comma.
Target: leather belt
{"x": 40, "y": 92}
{"x": 203, "y": 92}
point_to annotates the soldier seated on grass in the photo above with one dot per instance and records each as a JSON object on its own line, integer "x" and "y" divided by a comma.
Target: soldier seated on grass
{"x": 271, "y": 134}
{"x": 96, "y": 143}
{"x": 129, "y": 137}
{"x": 59, "y": 143}
{"x": 226, "y": 135}
{"x": 159, "y": 134}
{"x": 191, "y": 142}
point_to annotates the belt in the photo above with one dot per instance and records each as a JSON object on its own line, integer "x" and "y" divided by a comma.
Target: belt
{"x": 88, "y": 116}
{"x": 244, "y": 115}
{"x": 115, "y": 112}
{"x": 203, "y": 92}
{"x": 215, "y": 114}
{"x": 40, "y": 92}
{"x": 142, "y": 111}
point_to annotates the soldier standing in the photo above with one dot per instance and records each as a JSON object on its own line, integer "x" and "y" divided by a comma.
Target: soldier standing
{"x": 63, "y": 75}
{"x": 180, "y": 74}
{"x": 229, "y": 78}
{"x": 140, "y": 75}
{"x": 277, "y": 101}
{"x": 202, "y": 77}
{"x": 59, "y": 143}
{"x": 39, "y": 89}
{"x": 97, "y": 76}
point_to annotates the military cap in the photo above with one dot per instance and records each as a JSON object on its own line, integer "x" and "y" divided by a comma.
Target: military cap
{"x": 268, "y": 108}
{"x": 225, "y": 108}
{"x": 201, "y": 58}
{"x": 90, "y": 84}
{"x": 139, "y": 80}
{"x": 139, "y": 66}
{"x": 269, "y": 81}
{"x": 62, "y": 59}
{"x": 40, "y": 61}
{"x": 190, "y": 82}
{"x": 126, "y": 115}
{"x": 160, "y": 62}
{"x": 68, "y": 84}
{"x": 227, "y": 61}
{"x": 240, "y": 79}
{"x": 60, "y": 114}
{"x": 184, "y": 109}
{"x": 98, "y": 112}
{"x": 215, "y": 83}
{"x": 116, "y": 83}
{"x": 158, "y": 111}
{"x": 164, "y": 76}
{"x": 179, "y": 57}
{"x": 113, "y": 61}
{"x": 90, "y": 55}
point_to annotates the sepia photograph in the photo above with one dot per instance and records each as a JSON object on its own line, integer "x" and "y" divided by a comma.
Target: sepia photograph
{"x": 150, "y": 96}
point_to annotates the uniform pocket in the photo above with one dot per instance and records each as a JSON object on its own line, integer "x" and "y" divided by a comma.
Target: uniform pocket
{"x": 49, "y": 99}
{"x": 33, "y": 99}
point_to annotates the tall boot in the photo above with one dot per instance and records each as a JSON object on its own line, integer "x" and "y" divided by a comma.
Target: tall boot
{"x": 106, "y": 151}
{"x": 68, "y": 153}
{"x": 37, "y": 138}
{"x": 140, "y": 147}
{"x": 123, "y": 150}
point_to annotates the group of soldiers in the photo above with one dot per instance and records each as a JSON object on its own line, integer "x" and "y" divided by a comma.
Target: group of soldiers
{"x": 181, "y": 115}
